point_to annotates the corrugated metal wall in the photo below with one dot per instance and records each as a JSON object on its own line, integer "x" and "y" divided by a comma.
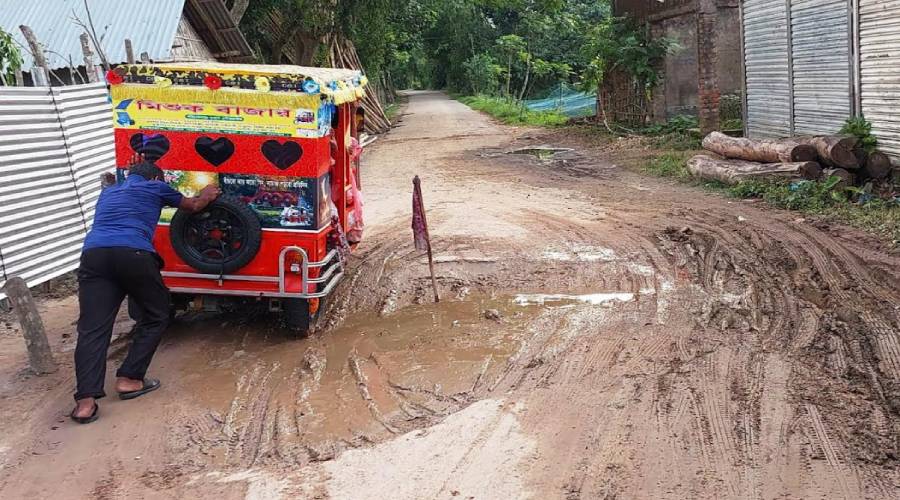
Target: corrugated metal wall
{"x": 879, "y": 48}
{"x": 820, "y": 40}
{"x": 767, "y": 68}
{"x": 54, "y": 143}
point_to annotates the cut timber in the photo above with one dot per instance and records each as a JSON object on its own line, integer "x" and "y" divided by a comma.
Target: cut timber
{"x": 877, "y": 166}
{"x": 764, "y": 151}
{"x": 734, "y": 171}
{"x": 834, "y": 150}
{"x": 847, "y": 179}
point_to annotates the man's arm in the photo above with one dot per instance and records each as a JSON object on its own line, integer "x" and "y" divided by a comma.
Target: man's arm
{"x": 197, "y": 203}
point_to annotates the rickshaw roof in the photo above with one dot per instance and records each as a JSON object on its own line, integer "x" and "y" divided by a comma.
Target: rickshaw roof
{"x": 324, "y": 75}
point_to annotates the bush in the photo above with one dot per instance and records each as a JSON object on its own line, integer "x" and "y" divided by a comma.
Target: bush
{"x": 668, "y": 165}
{"x": 483, "y": 73}
{"x": 513, "y": 112}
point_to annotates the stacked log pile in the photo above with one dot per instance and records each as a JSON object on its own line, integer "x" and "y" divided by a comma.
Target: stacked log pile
{"x": 805, "y": 157}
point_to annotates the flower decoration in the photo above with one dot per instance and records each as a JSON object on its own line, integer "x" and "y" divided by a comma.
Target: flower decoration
{"x": 213, "y": 82}
{"x": 263, "y": 84}
{"x": 113, "y": 77}
{"x": 364, "y": 80}
{"x": 161, "y": 81}
{"x": 333, "y": 85}
{"x": 311, "y": 87}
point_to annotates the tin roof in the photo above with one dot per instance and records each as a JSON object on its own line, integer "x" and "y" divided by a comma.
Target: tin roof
{"x": 151, "y": 26}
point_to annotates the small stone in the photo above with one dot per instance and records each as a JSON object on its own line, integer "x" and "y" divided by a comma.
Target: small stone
{"x": 492, "y": 314}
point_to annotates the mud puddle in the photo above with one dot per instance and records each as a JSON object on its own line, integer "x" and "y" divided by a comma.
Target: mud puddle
{"x": 541, "y": 152}
{"x": 376, "y": 376}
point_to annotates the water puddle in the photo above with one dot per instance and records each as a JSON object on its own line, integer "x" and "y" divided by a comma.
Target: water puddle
{"x": 557, "y": 300}
{"x": 541, "y": 152}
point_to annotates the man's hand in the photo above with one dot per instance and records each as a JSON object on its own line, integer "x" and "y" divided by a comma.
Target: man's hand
{"x": 206, "y": 196}
{"x": 107, "y": 179}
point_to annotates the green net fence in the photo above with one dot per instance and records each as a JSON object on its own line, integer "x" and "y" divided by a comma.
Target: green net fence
{"x": 566, "y": 100}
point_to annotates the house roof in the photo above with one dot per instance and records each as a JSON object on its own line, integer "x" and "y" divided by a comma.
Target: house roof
{"x": 151, "y": 26}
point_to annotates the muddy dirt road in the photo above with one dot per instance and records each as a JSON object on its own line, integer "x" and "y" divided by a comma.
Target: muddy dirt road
{"x": 602, "y": 335}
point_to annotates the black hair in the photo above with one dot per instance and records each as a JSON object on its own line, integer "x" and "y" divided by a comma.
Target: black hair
{"x": 147, "y": 170}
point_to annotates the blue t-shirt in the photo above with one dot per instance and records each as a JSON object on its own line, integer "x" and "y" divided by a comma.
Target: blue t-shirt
{"x": 127, "y": 214}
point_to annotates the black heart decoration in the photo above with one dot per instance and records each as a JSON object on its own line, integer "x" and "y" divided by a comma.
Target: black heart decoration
{"x": 282, "y": 155}
{"x": 215, "y": 151}
{"x": 151, "y": 146}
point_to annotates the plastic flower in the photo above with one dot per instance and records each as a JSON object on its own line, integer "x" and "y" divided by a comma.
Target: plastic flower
{"x": 311, "y": 87}
{"x": 114, "y": 78}
{"x": 263, "y": 84}
{"x": 161, "y": 81}
{"x": 213, "y": 82}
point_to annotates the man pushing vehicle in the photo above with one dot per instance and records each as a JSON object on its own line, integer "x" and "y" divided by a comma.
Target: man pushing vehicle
{"x": 119, "y": 259}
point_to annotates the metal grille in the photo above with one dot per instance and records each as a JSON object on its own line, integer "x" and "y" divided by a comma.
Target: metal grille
{"x": 879, "y": 32}
{"x": 54, "y": 143}
{"x": 767, "y": 61}
{"x": 821, "y": 65}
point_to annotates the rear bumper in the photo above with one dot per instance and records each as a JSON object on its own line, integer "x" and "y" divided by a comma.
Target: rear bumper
{"x": 267, "y": 286}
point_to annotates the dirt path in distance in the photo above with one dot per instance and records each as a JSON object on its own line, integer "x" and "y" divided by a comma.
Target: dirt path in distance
{"x": 601, "y": 335}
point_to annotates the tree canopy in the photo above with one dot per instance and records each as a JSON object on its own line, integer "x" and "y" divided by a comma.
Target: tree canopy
{"x": 516, "y": 48}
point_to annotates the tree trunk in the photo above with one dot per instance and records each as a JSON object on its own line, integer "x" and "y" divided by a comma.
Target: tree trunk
{"x": 834, "y": 150}
{"x": 877, "y": 166}
{"x": 305, "y": 48}
{"x": 847, "y": 179}
{"x": 734, "y": 171}
{"x": 527, "y": 77}
{"x": 764, "y": 151}
{"x": 89, "y": 67}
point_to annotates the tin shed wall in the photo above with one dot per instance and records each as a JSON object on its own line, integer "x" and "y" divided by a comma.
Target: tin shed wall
{"x": 879, "y": 49}
{"x": 54, "y": 143}
{"x": 821, "y": 41}
{"x": 767, "y": 68}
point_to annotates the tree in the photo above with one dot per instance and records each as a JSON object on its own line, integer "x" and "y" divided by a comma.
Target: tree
{"x": 10, "y": 59}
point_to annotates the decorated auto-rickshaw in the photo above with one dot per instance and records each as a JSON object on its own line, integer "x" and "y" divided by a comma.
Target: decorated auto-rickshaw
{"x": 280, "y": 142}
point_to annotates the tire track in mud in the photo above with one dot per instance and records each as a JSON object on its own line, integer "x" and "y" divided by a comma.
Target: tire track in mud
{"x": 791, "y": 282}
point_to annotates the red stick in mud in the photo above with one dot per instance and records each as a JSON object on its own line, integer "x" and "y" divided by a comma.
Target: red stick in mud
{"x": 420, "y": 231}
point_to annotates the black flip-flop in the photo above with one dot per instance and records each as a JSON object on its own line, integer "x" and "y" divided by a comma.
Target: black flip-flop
{"x": 85, "y": 420}
{"x": 150, "y": 385}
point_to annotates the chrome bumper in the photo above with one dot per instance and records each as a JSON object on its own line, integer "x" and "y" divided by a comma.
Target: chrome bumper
{"x": 329, "y": 278}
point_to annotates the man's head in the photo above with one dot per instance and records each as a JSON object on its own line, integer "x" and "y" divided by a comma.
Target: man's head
{"x": 147, "y": 170}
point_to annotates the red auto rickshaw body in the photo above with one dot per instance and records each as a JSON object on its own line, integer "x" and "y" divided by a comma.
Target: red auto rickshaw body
{"x": 277, "y": 138}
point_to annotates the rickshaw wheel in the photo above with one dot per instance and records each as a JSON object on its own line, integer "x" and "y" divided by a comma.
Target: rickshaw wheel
{"x": 221, "y": 239}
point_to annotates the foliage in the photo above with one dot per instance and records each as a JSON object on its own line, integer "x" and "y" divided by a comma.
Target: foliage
{"x": 619, "y": 43}
{"x": 861, "y": 128}
{"x": 483, "y": 73}
{"x": 513, "y": 113}
{"x": 677, "y": 133}
{"x": 10, "y": 59}
{"x": 668, "y": 165}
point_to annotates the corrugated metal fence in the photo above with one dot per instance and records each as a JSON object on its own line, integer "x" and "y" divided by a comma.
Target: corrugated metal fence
{"x": 54, "y": 143}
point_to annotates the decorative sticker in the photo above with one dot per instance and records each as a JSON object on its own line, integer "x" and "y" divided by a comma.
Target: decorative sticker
{"x": 220, "y": 118}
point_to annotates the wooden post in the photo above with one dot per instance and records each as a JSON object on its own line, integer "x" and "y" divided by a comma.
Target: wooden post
{"x": 421, "y": 238}
{"x": 20, "y": 78}
{"x": 39, "y": 356}
{"x": 41, "y": 72}
{"x": 88, "y": 57}
{"x": 129, "y": 51}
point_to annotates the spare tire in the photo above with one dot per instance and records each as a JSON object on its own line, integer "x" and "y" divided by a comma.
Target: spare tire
{"x": 221, "y": 239}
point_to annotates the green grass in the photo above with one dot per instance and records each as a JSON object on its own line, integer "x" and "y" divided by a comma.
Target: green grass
{"x": 512, "y": 112}
{"x": 823, "y": 198}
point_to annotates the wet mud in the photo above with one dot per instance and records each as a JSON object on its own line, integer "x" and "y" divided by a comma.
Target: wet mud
{"x": 600, "y": 335}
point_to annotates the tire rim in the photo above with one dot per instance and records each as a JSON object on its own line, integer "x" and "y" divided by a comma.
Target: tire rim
{"x": 214, "y": 236}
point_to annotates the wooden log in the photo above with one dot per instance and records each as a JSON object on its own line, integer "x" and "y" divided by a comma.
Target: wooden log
{"x": 129, "y": 51}
{"x": 764, "y": 151}
{"x": 834, "y": 150}
{"x": 39, "y": 356}
{"x": 846, "y": 178}
{"x": 41, "y": 73}
{"x": 88, "y": 55}
{"x": 877, "y": 166}
{"x": 734, "y": 171}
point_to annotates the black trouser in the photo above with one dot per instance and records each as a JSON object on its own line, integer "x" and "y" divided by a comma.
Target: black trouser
{"x": 105, "y": 277}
